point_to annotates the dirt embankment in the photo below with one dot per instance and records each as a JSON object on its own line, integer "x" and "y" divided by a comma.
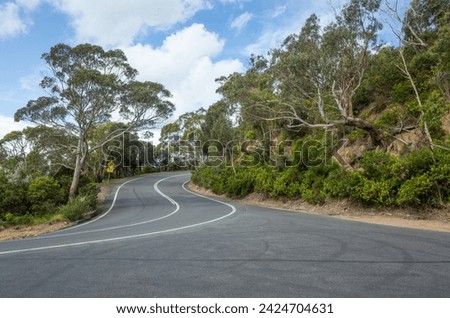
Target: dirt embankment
{"x": 433, "y": 219}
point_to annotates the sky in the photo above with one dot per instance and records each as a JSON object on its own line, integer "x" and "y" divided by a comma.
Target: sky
{"x": 183, "y": 44}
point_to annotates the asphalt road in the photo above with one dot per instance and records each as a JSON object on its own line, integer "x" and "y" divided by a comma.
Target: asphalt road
{"x": 160, "y": 240}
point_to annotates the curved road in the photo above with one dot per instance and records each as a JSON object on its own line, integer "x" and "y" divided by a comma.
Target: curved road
{"x": 160, "y": 240}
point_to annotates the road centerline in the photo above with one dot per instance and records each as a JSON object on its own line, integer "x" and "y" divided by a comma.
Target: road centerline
{"x": 155, "y": 186}
{"x": 121, "y": 238}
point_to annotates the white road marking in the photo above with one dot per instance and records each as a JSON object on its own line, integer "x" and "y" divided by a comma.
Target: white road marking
{"x": 233, "y": 211}
{"x": 133, "y": 224}
{"x": 104, "y": 214}
{"x": 205, "y": 197}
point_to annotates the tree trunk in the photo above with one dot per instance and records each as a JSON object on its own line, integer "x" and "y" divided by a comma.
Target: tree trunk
{"x": 374, "y": 132}
{"x": 79, "y": 163}
{"x": 75, "y": 179}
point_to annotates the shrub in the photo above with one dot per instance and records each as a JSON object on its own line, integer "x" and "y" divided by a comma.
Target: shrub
{"x": 75, "y": 209}
{"x": 340, "y": 184}
{"x": 377, "y": 165}
{"x": 264, "y": 179}
{"x": 429, "y": 189}
{"x": 420, "y": 179}
{"x": 415, "y": 164}
{"x": 241, "y": 184}
{"x": 388, "y": 119}
{"x": 441, "y": 177}
{"x": 13, "y": 198}
{"x": 45, "y": 194}
{"x": 311, "y": 188}
{"x": 148, "y": 169}
{"x": 287, "y": 183}
{"x": 220, "y": 177}
{"x": 416, "y": 192}
{"x": 203, "y": 176}
{"x": 426, "y": 178}
{"x": 375, "y": 192}
{"x": 90, "y": 192}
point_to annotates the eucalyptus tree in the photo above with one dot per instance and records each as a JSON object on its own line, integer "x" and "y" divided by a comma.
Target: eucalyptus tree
{"x": 15, "y": 145}
{"x": 180, "y": 141}
{"x": 320, "y": 70}
{"x": 85, "y": 87}
{"x": 424, "y": 59}
{"x": 191, "y": 136}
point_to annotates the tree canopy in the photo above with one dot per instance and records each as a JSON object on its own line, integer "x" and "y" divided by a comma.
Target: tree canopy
{"x": 86, "y": 87}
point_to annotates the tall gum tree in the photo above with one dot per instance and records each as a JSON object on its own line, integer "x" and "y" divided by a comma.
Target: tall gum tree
{"x": 311, "y": 80}
{"x": 85, "y": 86}
{"x": 320, "y": 70}
{"x": 424, "y": 58}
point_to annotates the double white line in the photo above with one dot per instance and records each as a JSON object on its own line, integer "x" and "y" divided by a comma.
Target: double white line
{"x": 115, "y": 239}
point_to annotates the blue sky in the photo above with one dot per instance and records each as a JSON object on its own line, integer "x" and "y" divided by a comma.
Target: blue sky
{"x": 183, "y": 44}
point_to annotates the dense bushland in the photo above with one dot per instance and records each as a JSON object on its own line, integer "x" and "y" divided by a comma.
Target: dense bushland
{"x": 386, "y": 108}
{"x": 420, "y": 179}
{"x": 27, "y": 201}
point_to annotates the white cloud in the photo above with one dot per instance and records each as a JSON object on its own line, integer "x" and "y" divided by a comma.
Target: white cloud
{"x": 278, "y": 11}
{"x": 7, "y": 124}
{"x": 118, "y": 22}
{"x": 241, "y": 21}
{"x": 31, "y": 82}
{"x": 14, "y": 17}
{"x": 29, "y": 4}
{"x": 233, "y": 1}
{"x": 238, "y": 3}
{"x": 11, "y": 23}
{"x": 271, "y": 38}
{"x": 198, "y": 88}
{"x": 184, "y": 64}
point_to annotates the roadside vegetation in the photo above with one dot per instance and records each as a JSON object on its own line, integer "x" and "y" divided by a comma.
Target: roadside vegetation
{"x": 331, "y": 114}
{"x": 49, "y": 172}
{"x": 418, "y": 180}
{"x": 334, "y": 114}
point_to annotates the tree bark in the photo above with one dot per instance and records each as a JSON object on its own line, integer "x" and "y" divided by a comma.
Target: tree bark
{"x": 374, "y": 132}
{"x": 75, "y": 179}
{"x": 79, "y": 163}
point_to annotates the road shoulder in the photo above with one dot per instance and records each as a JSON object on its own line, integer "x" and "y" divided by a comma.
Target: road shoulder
{"x": 432, "y": 220}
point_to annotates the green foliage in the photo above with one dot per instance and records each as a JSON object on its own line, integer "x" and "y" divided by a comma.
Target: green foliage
{"x": 313, "y": 183}
{"x": 89, "y": 191}
{"x": 430, "y": 188}
{"x": 11, "y": 219}
{"x": 377, "y": 165}
{"x": 148, "y": 169}
{"x": 42, "y": 200}
{"x": 241, "y": 184}
{"x": 356, "y": 134}
{"x": 76, "y": 209}
{"x": 13, "y": 198}
{"x": 45, "y": 194}
{"x": 416, "y": 191}
{"x": 287, "y": 183}
{"x": 435, "y": 107}
{"x": 420, "y": 179}
{"x": 264, "y": 179}
{"x": 414, "y": 164}
{"x": 388, "y": 119}
{"x": 340, "y": 184}
{"x": 378, "y": 193}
